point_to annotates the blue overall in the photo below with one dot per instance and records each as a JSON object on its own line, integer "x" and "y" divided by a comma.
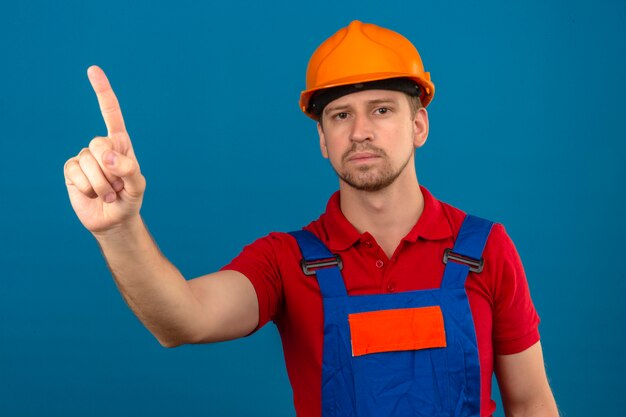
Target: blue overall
{"x": 443, "y": 381}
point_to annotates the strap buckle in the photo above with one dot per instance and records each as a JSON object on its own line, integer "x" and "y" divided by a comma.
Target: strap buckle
{"x": 475, "y": 265}
{"x": 309, "y": 267}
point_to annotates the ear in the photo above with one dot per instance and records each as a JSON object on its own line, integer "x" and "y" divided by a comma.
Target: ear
{"x": 420, "y": 124}
{"x": 320, "y": 132}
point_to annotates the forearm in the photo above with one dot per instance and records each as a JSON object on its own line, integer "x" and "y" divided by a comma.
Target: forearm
{"x": 153, "y": 288}
{"x": 106, "y": 188}
{"x": 547, "y": 408}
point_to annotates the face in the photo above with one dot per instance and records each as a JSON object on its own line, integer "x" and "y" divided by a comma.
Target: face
{"x": 370, "y": 137}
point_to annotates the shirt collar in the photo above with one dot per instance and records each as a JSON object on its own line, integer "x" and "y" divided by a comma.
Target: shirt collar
{"x": 341, "y": 233}
{"x": 432, "y": 224}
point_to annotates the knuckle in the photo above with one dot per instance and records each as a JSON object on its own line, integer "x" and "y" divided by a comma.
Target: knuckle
{"x": 69, "y": 164}
{"x": 111, "y": 107}
{"x": 131, "y": 168}
{"x": 126, "y": 166}
{"x": 102, "y": 188}
{"x": 93, "y": 173}
{"x": 99, "y": 142}
{"x": 141, "y": 180}
{"x": 83, "y": 153}
{"x": 76, "y": 177}
{"x": 86, "y": 189}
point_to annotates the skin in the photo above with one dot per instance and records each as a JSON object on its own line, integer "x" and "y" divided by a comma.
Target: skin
{"x": 106, "y": 188}
{"x": 368, "y": 136}
{"x": 370, "y": 139}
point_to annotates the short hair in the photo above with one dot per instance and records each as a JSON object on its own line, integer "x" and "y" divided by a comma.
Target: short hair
{"x": 415, "y": 104}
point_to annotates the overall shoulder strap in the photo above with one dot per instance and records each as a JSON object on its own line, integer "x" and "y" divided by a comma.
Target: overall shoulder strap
{"x": 466, "y": 255}
{"x": 318, "y": 260}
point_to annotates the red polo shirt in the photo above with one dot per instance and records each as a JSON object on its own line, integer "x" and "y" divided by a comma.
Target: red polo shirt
{"x": 505, "y": 319}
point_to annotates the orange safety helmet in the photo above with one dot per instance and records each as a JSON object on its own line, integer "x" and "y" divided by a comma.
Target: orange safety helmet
{"x": 362, "y": 53}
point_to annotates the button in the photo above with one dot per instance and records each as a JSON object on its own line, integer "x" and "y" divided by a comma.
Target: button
{"x": 367, "y": 244}
{"x": 391, "y": 287}
{"x": 379, "y": 264}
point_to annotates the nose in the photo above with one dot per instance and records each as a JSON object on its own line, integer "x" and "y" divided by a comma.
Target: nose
{"x": 361, "y": 128}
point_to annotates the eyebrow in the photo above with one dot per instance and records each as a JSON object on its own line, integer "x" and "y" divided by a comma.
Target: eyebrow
{"x": 370, "y": 103}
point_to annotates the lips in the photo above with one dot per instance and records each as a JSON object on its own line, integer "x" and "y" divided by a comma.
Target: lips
{"x": 359, "y": 156}
{"x": 362, "y": 157}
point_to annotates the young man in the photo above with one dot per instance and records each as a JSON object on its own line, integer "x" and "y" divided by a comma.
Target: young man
{"x": 392, "y": 303}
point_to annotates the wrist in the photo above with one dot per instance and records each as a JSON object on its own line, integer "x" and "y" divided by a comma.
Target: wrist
{"x": 123, "y": 233}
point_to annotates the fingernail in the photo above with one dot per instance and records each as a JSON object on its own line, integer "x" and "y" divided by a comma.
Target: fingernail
{"x": 118, "y": 185}
{"x": 109, "y": 158}
{"x": 109, "y": 198}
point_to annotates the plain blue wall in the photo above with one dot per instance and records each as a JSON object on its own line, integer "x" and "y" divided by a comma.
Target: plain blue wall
{"x": 527, "y": 128}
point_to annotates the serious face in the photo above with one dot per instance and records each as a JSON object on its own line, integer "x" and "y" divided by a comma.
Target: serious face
{"x": 370, "y": 137}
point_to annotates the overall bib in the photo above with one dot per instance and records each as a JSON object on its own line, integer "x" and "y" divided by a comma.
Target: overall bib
{"x": 398, "y": 355}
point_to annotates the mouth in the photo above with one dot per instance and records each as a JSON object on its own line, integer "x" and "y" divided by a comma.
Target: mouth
{"x": 362, "y": 157}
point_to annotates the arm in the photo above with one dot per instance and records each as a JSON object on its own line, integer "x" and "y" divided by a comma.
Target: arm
{"x": 211, "y": 308}
{"x": 524, "y": 385}
{"x": 106, "y": 188}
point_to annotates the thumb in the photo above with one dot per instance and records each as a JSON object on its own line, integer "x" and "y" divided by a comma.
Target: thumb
{"x": 127, "y": 169}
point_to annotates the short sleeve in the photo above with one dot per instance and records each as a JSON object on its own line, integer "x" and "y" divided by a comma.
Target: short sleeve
{"x": 259, "y": 262}
{"x": 515, "y": 320}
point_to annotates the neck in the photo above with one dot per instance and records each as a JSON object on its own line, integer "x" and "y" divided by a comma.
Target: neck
{"x": 388, "y": 215}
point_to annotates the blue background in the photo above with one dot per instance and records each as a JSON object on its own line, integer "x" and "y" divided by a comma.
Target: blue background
{"x": 527, "y": 128}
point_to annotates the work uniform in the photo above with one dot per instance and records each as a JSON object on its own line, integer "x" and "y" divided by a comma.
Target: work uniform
{"x": 504, "y": 318}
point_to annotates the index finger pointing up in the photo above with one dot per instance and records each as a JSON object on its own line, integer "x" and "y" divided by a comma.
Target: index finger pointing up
{"x": 109, "y": 106}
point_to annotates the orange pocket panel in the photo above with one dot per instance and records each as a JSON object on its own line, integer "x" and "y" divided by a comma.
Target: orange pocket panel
{"x": 400, "y": 329}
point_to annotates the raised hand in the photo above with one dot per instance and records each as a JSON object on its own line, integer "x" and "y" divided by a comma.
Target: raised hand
{"x": 104, "y": 182}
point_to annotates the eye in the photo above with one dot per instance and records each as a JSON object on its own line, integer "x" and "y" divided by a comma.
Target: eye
{"x": 341, "y": 116}
{"x": 382, "y": 110}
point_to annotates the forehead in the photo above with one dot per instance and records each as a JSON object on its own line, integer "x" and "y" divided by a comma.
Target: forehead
{"x": 367, "y": 96}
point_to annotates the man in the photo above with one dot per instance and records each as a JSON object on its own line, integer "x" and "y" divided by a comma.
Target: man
{"x": 391, "y": 304}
